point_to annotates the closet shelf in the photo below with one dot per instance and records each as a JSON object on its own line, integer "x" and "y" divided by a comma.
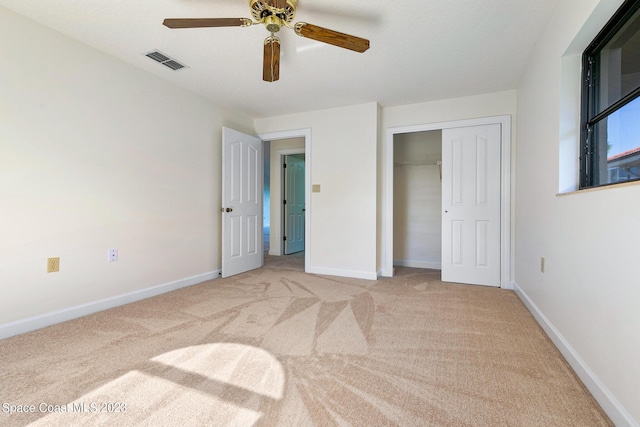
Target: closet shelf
{"x": 434, "y": 163}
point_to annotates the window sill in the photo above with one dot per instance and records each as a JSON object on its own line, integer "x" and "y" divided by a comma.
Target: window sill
{"x": 602, "y": 187}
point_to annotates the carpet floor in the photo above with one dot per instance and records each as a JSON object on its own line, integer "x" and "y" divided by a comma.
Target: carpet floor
{"x": 278, "y": 347}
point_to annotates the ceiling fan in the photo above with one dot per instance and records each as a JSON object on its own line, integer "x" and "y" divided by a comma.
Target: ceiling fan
{"x": 275, "y": 14}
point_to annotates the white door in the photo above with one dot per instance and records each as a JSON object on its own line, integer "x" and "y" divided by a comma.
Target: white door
{"x": 294, "y": 209}
{"x": 471, "y": 205}
{"x": 242, "y": 248}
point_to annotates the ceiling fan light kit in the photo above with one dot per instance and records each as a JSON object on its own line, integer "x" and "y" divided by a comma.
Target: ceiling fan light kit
{"x": 274, "y": 14}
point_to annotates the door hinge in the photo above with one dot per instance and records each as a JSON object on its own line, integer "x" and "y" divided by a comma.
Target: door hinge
{"x": 284, "y": 165}
{"x": 591, "y": 74}
{"x": 284, "y": 238}
{"x": 284, "y": 202}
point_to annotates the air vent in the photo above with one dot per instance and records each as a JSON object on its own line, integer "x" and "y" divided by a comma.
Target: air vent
{"x": 174, "y": 65}
{"x": 165, "y": 60}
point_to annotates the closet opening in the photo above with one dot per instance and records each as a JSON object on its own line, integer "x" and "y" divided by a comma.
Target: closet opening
{"x": 417, "y": 199}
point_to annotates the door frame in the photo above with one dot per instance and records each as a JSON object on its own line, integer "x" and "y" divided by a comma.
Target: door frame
{"x": 306, "y": 134}
{"x": 506, "y": 259}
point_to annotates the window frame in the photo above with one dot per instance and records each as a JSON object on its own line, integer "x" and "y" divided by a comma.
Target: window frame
{"x": 589, "y": 169}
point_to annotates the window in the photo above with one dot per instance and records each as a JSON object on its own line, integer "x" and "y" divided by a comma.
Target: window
{"x": 610, "y": 142}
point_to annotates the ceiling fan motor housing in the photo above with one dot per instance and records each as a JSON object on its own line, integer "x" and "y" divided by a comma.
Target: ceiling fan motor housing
{"x": 262, "y": 10}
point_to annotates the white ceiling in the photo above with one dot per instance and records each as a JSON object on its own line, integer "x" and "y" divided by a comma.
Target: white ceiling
{"x": 421, "y": 50}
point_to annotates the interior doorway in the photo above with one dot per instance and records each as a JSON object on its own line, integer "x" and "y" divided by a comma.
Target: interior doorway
{"x": 266, "y": 195}
{"x": 284, "y": 143}
{"x": 292, "y": 214}
{"x": 293, "y": 203}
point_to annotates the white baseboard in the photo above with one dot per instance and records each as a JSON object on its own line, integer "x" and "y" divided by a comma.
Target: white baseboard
{"x": 343, "y": 273}
{"x": 37, "y": 322}
{"x": 418, "y": 264}
{"x": 610, "y": 405}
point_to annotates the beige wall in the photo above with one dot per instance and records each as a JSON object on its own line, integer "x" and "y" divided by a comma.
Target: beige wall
{"x": 97, "y": 154}
{"x": 343, "y": 160}
{"x": 588, "y": 297}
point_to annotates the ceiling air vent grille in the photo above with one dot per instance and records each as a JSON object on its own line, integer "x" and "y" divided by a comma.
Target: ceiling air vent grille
{"x": 165, "y": 60}
{"x": 174, "y": 65}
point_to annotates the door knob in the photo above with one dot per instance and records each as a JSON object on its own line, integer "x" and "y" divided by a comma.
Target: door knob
{"x": 229, "y": 209}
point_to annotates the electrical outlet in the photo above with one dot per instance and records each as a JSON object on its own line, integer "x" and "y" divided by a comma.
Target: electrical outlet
{"x": 53, "y": 265}
{"x": 112, "y": 255}
{"x": 542, "y": 264}
{"x": 315, "y": 188}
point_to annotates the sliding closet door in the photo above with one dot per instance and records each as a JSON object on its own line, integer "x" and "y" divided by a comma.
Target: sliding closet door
{"x": 471, "y": 205}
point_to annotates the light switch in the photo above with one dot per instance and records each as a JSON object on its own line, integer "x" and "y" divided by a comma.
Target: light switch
{"x": 315, "y": 188}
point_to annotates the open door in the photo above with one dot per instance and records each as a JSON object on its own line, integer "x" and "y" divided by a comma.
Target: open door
{"x": 294, "y": 204}
{"x": 471, "y": 205}
{"x": 242, "y": 248}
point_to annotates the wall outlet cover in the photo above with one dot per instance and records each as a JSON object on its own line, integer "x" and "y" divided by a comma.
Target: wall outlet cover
{"x": 53, "y": 265}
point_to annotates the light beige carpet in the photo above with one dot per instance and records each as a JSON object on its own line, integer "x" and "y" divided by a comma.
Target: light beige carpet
{"x": 288, "y": 262}
{"x": 278, "y": 347}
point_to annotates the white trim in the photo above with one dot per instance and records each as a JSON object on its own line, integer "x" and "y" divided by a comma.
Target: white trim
{"x": 505, "y": 193}
{"x": 603, "y": 396}
{"x": 417, "y": 264}
{"x": 37, "y": 322}
{"x": 306, "y": 134}
{"x": 343, "y": 273}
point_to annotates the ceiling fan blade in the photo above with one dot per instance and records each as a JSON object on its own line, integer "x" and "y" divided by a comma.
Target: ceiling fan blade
{"x": 335, "y": 38}
{"x": 271, "y": 64}
{"x": 206, "y": 22}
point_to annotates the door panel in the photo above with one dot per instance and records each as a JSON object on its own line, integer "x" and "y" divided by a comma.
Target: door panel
{"x": 242, "y": 248}
{"x": 294, "y": 209}
{"x": 471, "y": 205}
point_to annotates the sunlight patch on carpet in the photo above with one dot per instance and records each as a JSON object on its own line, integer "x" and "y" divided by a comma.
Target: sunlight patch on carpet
{"x": 209, "y": 384}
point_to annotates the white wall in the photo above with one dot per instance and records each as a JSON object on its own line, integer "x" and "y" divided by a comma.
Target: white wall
{"x": 588, "y": 298}
{"x": 343, "y": 162}
{"x": 96, "y": 154}
{"x": 446, "y": 110}
{"x": 417, "y": 193}
{"x": 278, "y": 147}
